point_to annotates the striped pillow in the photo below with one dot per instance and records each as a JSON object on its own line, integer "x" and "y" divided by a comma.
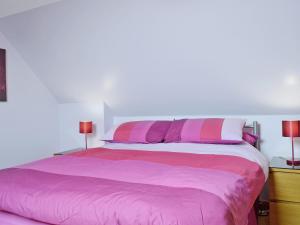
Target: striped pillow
{"x": 208, "y": 130}
{"x": 139, "y": 132}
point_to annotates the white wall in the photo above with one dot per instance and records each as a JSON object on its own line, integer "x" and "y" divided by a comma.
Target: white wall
{"x": 272, "y": 142}
{"x": 69, "y": 116}
{"x": 161, "y": 57}
{"x": 28, "y": 120}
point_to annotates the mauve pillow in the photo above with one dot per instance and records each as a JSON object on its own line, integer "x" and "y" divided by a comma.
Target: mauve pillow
{"x": 206, "y": 130}
{"x": 173, "y": 134}
{"x": 147, "y": 131}
{"x": 250, "y": 138}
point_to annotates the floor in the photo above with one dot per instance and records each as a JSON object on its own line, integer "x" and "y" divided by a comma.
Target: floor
{"x": 263, "y": 220}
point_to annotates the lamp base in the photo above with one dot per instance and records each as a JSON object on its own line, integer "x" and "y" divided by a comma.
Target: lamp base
{"x": 291, "y": 163}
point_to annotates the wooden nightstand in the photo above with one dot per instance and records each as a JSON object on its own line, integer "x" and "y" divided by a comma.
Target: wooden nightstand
{"x": 69, "y": 151}
{"x": 263, "y": 220}
{"x": 284, "y": 193}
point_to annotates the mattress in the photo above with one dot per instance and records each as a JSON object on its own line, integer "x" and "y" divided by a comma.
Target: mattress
{"x": 187, "y": 184}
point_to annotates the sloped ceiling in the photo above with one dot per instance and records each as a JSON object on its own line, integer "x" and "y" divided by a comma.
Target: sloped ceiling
{"x": 166, "y": 57}
{"x": 9, "y": 7}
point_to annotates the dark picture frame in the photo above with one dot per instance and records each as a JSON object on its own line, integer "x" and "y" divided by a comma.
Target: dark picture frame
{"x": 3, "y": 93}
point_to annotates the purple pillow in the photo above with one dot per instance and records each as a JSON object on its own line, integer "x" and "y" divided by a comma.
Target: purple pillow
{"x": 158, "y": 131}
{"x": 250, "y": 138}
{"x": 173, "y": 134}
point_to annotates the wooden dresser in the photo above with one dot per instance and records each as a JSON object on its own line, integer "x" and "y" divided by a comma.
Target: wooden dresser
{"x": 263, "y": 220}
{"x": 284, "y": 193}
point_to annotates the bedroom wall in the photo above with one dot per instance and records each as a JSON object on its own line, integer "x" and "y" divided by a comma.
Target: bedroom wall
{"x": 28, "y": 120}
{"x": 164, "y": 57}
{"x": 69, "y": 116}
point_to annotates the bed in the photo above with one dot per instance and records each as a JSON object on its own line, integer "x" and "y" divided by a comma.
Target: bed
{"x": 142, "y": 184}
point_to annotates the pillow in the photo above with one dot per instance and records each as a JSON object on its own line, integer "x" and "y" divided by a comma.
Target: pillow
{"x": 207, "y": 130}
{"x": 139, "y": 132}
{"x": 250, "y": 138}
{"x": 173, "y": 134}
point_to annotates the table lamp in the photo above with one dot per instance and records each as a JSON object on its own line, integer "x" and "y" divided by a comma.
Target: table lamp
{"x": 86, "y": 127}
{"x": 291, "y": 129}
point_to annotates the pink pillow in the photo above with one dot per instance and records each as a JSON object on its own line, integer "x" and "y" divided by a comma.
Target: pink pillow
{"x": 208, "y": 130}
{"x": 173, "y": 134}
{"x": 250, "y": 138}
{"x": 139, "y": 132}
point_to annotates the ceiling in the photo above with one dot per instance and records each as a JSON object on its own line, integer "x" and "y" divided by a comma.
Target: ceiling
{"x": 162, "y": 57}
{"x": 10, "y": 7}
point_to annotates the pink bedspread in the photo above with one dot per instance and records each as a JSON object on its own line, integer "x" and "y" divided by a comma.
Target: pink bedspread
{"x": 128, "y": 187}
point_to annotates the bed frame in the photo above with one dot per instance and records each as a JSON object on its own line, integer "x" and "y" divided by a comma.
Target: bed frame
{"x": 254, "y": 129}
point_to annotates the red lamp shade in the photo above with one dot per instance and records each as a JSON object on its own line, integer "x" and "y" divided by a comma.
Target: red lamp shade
{"x": 291, "y": 128}
{"x": 86, "y": 127}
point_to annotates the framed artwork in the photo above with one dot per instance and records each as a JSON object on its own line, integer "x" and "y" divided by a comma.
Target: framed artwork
{"x": 3, "y": 96}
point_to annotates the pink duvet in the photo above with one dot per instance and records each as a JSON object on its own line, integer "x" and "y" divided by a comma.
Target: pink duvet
{"x": 130, "y": 187}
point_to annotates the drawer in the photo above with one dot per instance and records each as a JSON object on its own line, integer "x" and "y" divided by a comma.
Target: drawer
{"x": 284, "y": 213}
{"x": 285, "y": 186}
